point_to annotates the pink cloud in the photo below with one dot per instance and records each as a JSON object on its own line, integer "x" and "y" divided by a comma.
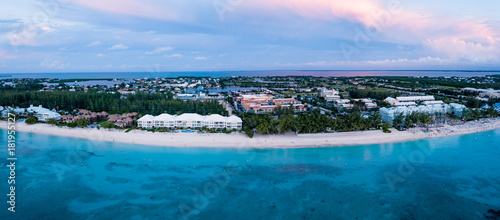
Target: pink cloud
{"x": 366, "y": 12}
{"x": 456, "y": 48}
{"x": 452, "y": 37}
{"x": 448, "y": 36}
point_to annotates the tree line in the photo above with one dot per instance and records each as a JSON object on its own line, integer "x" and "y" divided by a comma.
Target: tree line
{"x": 378, "y": 94}
{"x": 284, "y": 121}
{"x": 419, "y": 119}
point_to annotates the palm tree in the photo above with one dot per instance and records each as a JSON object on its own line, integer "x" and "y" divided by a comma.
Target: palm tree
{"x": 398, "y": 120}
{"x": 263, "y": 127}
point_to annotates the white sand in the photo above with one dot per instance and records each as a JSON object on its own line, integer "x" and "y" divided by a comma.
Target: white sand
{"x": 238, "y": 140}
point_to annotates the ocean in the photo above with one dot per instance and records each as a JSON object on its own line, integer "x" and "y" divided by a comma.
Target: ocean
{"x": 216, "y": 74}
{"x": 454, "y": 177}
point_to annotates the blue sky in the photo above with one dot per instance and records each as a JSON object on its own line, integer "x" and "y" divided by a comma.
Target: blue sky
{"x": 208, "y": 35}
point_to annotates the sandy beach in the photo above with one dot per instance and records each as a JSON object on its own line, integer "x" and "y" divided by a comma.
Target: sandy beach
{"x": 238, "y": 140}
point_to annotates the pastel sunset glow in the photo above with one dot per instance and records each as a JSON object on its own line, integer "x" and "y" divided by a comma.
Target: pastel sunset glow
{"x": 212, "y": 35}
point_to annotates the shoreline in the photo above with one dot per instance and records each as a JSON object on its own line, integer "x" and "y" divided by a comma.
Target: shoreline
{"x": 239, "y": 140}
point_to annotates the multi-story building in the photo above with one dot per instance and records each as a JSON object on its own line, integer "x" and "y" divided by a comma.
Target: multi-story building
{"x": 257, "y": 98}
{"x": 259, "y": 104}
{"x": 408, "y": 100}
{"x": 190, "y": 121}
{"x": 90, "y": 116}
{"x": 289, "y": 101}
{"x": 330, "y": 95}
{"x": 415, "y": 98}
{"x": 390, "y": 100}
{"x": 488, "y": 93}
{"x": 41, "y": 113}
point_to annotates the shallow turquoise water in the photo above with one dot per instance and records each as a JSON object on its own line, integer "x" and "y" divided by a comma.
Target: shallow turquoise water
{"x": 65, "y": 178}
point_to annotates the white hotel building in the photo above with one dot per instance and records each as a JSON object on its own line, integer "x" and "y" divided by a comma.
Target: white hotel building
{"x": 408, "y": 100}
{"x": 41, "y": 113}
{"x": 190, "y": 121}
{"x": 415, "y": 98}
{"x": 330, "y": 95}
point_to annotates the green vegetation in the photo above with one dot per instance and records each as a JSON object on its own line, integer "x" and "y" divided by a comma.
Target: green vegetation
{"x": 473, "y": 103}
{"x": 379, "y": 94}
{"x": 108, "y": 124}
{"x": 22, "y": 87}
{"x": 385, "y": 128}
{"x": 82, "y": 122}
{"x": 475, "y": 114}
{"x": 51, "y": 121}
{"x": 31, "y": 120}
{"x": 424, "y": 82}
{"x": 313, "y": 122}
{"x": 142, "y": 103}
{"x": 414, "y": 119}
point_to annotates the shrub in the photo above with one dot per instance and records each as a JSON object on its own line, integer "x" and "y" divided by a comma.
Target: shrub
{"x": 31, "y": 120}
{"x": 82, "y": 122}
{"x": 51, "y": 121}
{"x": 108, "y": 124}
{"x": 249, "y": 133}
{"x": 385, "y": 128}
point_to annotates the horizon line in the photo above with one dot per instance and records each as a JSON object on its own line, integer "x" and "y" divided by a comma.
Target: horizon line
{"x": 203, "y": 71}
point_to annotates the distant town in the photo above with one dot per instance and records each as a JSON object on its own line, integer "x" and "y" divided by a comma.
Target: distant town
{"x": 262, "y": 105}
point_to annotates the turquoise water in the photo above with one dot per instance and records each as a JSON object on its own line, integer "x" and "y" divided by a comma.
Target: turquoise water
{"x": 444, "y": 178}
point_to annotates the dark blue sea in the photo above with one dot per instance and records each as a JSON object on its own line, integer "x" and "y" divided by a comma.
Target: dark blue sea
{"x": 216, "y": 74}
{"x": 455, "y": 177}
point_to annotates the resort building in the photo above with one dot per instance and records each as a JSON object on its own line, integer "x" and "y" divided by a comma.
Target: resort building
{"x": 330, "y": 95}
{"x": 190, "y": 121}
{"x": 486, "y": 93}
{"x": 260, "y": 104}
{"x": 415, "y": 98}
{"x": 83, "y": 113}
{"x": 201, "y": 96}
{"x": 343, "y": 101}
{"x": 120, "y": 120}
{"x": 258, "y": 98}
{"x": 391, "y": 100}
{"x": 187, "y": 96}
{"x": 285, "y": 101}
{"x": 399, "y": 104}
{"x": 370, "y": 105}
{"x": 408, "y": 100}
{"x": 433, "y": 103}
{"x": 123, "y": 120}
{"x": 388, "y": 114}
{"x": 41, "y": 113}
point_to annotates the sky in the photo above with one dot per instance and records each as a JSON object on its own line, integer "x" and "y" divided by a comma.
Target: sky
{"x": 226, "y": 35}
